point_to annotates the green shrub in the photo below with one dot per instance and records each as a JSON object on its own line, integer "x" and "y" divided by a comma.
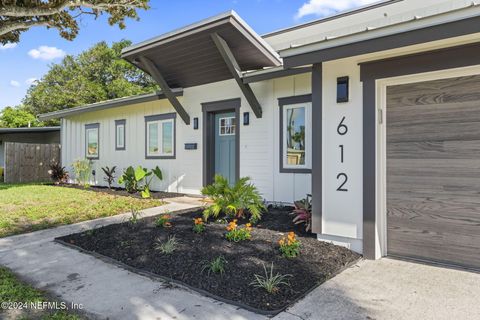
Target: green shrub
{"x": 167, "y": 247}
{"x": 139, "y": 179}
{"x": 233, "y": 200}
{"x": 83, "y": 171}
{"x": 217, "y": 265}
{"x": 271, "y": 283}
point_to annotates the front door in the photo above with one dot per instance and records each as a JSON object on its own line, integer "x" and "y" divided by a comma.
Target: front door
{"x": 225, "y": 145}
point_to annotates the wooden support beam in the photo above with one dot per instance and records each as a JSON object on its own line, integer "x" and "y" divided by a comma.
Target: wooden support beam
{"x": 152, "y": 69}
{"x": 234, "y": 68}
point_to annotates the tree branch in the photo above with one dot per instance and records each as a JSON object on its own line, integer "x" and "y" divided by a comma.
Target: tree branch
{"x": 7, "y": 27}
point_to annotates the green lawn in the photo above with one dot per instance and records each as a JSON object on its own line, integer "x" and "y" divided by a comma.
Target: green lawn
{"x": 29, "y": 207}
{"x": 13, "y": 290}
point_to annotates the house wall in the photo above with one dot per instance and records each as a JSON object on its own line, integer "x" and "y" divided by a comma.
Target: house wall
{"x": 259, "y": 141}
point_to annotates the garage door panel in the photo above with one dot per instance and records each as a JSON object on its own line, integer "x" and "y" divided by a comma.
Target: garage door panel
{"x": 433, "y": 171}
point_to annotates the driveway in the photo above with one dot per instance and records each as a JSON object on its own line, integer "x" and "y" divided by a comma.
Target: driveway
{"x": 385, "y": 289}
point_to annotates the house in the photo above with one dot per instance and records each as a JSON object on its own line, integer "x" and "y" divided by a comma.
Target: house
{"x": 43, "y": 135}
{"x": 374, "y": 111}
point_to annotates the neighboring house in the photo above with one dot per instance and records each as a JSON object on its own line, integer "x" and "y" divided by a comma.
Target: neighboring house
{"x": 43, "y": 135}
{"x": 374, "y": 111}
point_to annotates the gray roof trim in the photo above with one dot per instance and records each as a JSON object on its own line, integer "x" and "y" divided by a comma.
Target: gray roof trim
{"x": 226, "y": 17}
{"x": 28, "y": 130}
{"x": 336, "y": 16}
{"x": 115, "y": 103}
{"x": 273, "y": 73}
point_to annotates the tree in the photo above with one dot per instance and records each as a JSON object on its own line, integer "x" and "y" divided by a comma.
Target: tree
{"x": 17, "y": 117}
{"x": 17, "y": 16}
{"x": 95, "y": 75}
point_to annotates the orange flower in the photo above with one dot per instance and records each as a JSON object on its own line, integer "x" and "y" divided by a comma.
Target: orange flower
{"x": 167, "y": 224}
{"x": 198, "y": 221}
{"x": 281, "y": 242}
{"x": 232, "y": 225}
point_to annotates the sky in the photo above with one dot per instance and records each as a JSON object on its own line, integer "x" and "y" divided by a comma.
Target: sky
{"x": 23, "y": 63}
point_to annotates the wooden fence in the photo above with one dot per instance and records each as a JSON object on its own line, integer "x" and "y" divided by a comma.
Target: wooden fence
{"x": 29, "y": 162}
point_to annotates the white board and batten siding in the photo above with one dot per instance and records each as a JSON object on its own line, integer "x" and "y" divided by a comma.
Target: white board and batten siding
{"x": 259, "y": 141}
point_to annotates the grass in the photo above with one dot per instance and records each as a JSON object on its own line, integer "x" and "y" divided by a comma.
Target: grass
{"x": 30, "y": 207}
{"x": 13, "y": 290}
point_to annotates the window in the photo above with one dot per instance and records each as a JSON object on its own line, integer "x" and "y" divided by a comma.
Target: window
{"x": 296, "y": 134}
{"x": 92, "y": 141}
{"x": 227, "y": 126}
{"x": 120, "y": 134}
{"x": 160, "y": 136}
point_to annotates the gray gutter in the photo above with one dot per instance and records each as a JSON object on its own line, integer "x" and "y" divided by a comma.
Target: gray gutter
{"x": 29, "y": 129}
{"x": 115, "y": 103}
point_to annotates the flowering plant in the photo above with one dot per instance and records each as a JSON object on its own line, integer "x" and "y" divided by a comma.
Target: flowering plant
{"x": 198, "y": 225}
{"x": 289, "y": 245}
{"x": 163, "y": 221}
{"x": 236, "y": 234}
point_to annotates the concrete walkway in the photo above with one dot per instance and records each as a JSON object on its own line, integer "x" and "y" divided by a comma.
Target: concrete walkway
{"x": 385, "y": 289}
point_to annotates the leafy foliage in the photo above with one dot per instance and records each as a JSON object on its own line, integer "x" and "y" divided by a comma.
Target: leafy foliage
{"x": 289, "y": 246}
{"x": 198, "y": 225}
{"x": 135, "y": 216}
{"x": 236, "y": 234}
{"x": 167, "y": 247}
{"x": 233, "y": 200}
{"x": 217, "y": 265}
{"x": 303, "y": 212}
{"x": 58, "y": 173}
{"x": 17, "y": 117}
{"x": 270, "y": 282}
{"x": 109, "y": 175}
{"x": 139, "y": 179}
{"x": 83, "y": 171}
{"x": 95, "y": 75}
{"x": 63, "y": 15}
{"x": 163, "y": 221}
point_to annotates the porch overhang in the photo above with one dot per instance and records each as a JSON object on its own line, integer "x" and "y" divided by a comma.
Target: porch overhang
{"x": 193, "y": 56}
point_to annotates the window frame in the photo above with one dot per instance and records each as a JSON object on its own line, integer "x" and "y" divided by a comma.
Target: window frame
{"x": 290, "y": 103}
{"x": 161, "y": 118}
{"x": 234, "y": 126}
{"x": 119, "y": 123}
{"x": 88, "y": 127}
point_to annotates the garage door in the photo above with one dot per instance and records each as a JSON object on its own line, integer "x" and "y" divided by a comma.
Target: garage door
{"x": 433, "y": 171}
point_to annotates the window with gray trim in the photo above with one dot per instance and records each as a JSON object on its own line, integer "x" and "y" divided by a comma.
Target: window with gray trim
{"x": 120, "y": 134}
{"x": 92, "y": 141}
{"x": 160, "y": 136}
{"x": 295, "y": 134}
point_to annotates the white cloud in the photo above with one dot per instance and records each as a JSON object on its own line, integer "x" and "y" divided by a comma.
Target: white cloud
{"x": 46, "y": 53}
{"x": 31, "y": 81}
{"x": 324, "y": 8}
{"x": 7, "y": 46}
{"x": 14, "y": 83}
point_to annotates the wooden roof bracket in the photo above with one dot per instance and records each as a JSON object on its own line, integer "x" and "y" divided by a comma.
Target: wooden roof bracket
{"x": 152, "y": 69}
{"x": 234, "y": 68}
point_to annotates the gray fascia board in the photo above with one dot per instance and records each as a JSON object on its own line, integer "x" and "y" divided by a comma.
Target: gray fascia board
{"x": 273, "y": 73}
{"x": 29, "y": 129}
{"x": 108, "y": 104}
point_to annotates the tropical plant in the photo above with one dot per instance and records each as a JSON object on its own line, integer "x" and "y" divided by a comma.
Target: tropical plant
{"x": 139, "y": 179}
{"x": 233, "y": 200}
{"x": 217, "y": 265}
{"x": 109, "y": 175}
{"x": 198, "y": 225}
{"x": 236, "y": 234}
{"x": 303, "y": 212}
{"x": 271, "y": 283}
{"x": 289, "y": 245}
{"x": 83, "y": 171}
{"x": 58, "y": 173}
{"x": 167, "y": 247}
{"x": 163, "y": 221}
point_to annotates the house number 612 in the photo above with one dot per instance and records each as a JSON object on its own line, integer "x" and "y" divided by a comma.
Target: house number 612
{"x": 342, "y": 130}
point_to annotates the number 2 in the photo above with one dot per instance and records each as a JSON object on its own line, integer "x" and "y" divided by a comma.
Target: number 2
{"x": 345, "y": 179}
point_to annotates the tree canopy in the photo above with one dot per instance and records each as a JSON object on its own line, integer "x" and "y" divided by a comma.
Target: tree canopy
{"x": 17, "y": 16}
{"x": 97, "y": 74}
{"x": 17, "y": 117}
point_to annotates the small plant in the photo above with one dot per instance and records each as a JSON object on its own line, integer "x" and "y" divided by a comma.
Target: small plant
{"x": 109, "y": 175}
{"x": 134, "y": 216}
{"x": 236, "y": 234}
{"x": 167, "y": 247}
{"x": 57, "y": 173}
{"x": 271, "y": 283}
{"x": 139, "y": 179}
{"x": 303, "y": 212}
{"x": 163, "y": 221}
{"x": 217, "y": 265}
{"x": 198, "y": 225}
{"x": 233, "y": 200}
{"x": 289, "y": 246}
{"x": 83, "y": 171}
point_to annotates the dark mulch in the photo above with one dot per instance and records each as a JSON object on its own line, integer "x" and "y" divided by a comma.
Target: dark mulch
{"x": 123, "y": 192}
{"x": 134, "y": 245}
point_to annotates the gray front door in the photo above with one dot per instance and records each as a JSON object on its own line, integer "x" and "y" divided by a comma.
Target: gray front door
{"x": 225, "y": 148}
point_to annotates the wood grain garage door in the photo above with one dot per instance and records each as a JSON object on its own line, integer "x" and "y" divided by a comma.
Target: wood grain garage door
{"x": 433, "y": 171}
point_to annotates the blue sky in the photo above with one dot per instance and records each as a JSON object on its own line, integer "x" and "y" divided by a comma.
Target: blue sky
{"x": 39, "y": 47}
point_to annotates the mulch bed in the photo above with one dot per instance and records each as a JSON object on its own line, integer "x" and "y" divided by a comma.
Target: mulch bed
{"x": 123, "y": 192}
{"x": 134, "y": 246}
